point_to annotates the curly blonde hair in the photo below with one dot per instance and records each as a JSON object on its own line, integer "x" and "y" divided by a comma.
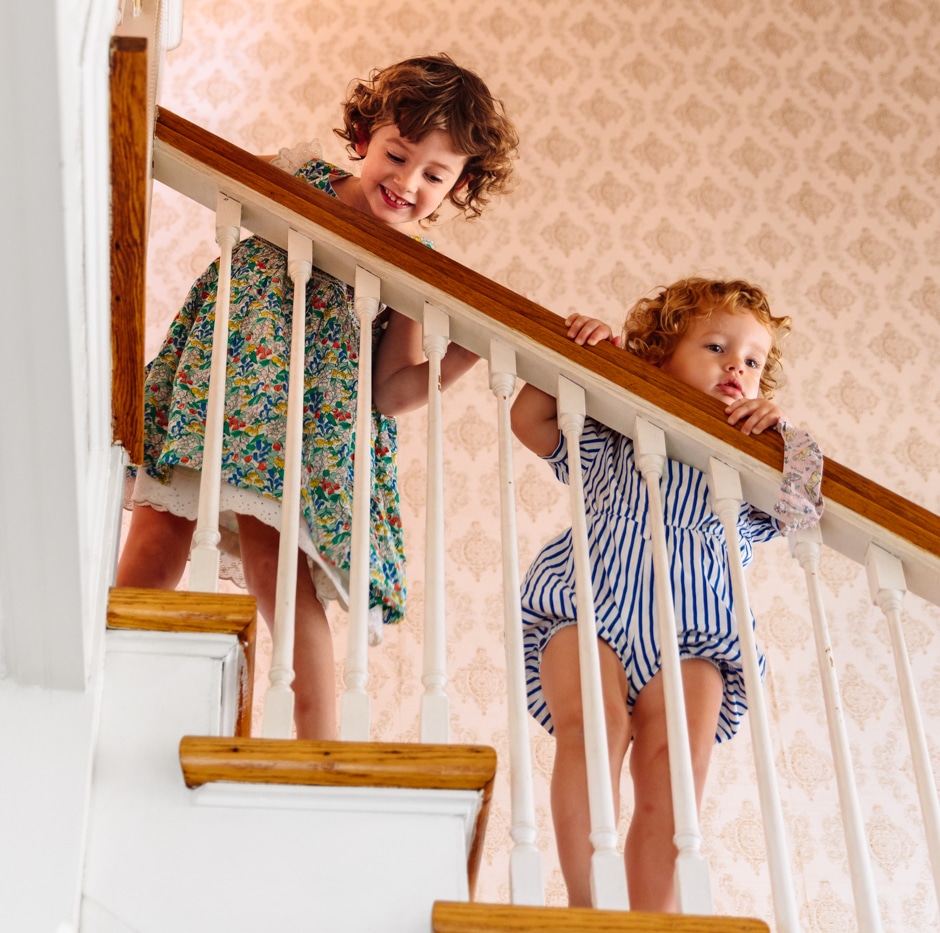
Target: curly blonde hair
{"x": 434, "y": 93}
{"x": 654, "y": 325}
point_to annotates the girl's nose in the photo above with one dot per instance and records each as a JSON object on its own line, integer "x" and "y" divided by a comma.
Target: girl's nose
{"x": 405, "y": 179}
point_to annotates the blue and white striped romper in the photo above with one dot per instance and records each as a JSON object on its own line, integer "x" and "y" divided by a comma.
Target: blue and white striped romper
{"x": 622, "y": 572}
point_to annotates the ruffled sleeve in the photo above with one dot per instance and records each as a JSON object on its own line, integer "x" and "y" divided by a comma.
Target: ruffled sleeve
{"x": 292, "y": 159}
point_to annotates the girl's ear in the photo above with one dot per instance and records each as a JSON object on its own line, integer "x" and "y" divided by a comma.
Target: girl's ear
{"x": 362, "y": 141}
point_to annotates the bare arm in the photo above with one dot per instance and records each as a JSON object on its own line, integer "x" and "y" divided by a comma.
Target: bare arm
{"x": 400, "y": 375}
{"x": 534, "y": 419}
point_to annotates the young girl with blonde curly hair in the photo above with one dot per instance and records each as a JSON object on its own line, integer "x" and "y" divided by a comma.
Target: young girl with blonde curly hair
{"x": 721, "y": 338}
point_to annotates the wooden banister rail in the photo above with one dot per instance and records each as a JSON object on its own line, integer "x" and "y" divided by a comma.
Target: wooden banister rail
{"x": 618, "y": 387}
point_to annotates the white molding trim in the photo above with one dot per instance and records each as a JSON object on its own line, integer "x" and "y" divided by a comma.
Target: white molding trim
{"x": 462, "y": 804}
{"x": 216, "y": 647}
{"x": 224, "y": 650}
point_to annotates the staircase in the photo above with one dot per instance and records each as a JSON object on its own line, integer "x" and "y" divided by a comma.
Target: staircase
{"x": 251, "y": 833}
{"x": 189, "y": 809}
{"x": 254, "y": 832}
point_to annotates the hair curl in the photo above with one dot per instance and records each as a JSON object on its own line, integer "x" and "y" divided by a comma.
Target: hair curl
{"x": 654, "y": 325}
{"x": 434, "y": 93}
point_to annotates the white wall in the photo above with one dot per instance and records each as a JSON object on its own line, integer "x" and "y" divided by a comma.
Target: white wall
{"x": 57, "y": 468}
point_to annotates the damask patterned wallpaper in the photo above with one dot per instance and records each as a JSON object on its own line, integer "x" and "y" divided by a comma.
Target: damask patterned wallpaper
{"x": 796, "y": 144}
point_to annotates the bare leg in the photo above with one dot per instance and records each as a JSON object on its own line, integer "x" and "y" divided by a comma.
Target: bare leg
{"x": 156, "y": 549}
{"x": 561, "y": 684}
{"x": 314, "y": 685}
{"x": 650, "y": 852}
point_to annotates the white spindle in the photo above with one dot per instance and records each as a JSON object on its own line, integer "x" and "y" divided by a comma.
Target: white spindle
{"x": 887, "y": 585}
{"x": 204, "y": 567}
{"x": 805, "y": 546}
{"x": 725, "y": 485}
{"x": 355, "y": 718}
{"x": 279, "y": 701}
{"x": 435, "y": 706}
{"x": 526, "y": 879}
{"x": 693, "y": 880}
{"x": 608, "y": 880}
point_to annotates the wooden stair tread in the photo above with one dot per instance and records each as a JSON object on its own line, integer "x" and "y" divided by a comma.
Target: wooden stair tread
{"x": 176, "y": 611}
{"x": 332, "y": 764}
{"x": 452, "y": 917}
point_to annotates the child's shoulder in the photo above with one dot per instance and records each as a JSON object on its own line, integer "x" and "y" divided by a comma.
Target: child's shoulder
{"x": 321, "y": 174}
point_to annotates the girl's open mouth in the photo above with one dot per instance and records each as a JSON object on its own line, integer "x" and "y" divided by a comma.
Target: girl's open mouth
{"x": 393, "y": 199}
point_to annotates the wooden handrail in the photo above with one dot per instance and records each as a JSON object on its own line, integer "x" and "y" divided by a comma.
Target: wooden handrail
{"x": 618, "y": 386}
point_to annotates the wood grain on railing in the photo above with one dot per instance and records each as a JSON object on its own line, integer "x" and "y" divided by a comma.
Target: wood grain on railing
{"x": 130, "y": 182}
{"x": 443, "y": 278}
{"x": 347, "y": 764}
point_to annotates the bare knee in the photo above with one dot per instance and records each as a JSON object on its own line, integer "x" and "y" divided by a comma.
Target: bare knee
{"x": 703, "y": 688}
{"x": 561, "y": 684}
{"x": 156, "y": 549}
{"x": 259, "y": 544}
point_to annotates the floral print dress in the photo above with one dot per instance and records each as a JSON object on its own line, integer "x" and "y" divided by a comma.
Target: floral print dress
{"x": 255, "y": 421}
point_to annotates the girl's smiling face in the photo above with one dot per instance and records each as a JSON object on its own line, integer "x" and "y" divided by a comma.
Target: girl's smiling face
{"x": 403, "y": 181}
{"x": 723, "y": 354}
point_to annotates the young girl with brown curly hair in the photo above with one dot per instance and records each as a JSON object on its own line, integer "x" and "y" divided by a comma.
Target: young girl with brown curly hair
{"x": 425, "y": 131}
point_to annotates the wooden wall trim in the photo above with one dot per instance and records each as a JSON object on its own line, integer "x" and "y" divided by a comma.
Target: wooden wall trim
{"x": 130, "y": 174}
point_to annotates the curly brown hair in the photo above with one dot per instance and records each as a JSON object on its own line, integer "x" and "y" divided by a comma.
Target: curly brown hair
{"x": 434, "y": 93}
{"x": 654, "y": 325}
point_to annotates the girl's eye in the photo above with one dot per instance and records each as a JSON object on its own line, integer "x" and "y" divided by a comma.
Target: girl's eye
{"x": 754, "y": 364}
{"x": 434, "y": 179}
{"x": 714, "y": 347}
{"x": 398, "y": 160}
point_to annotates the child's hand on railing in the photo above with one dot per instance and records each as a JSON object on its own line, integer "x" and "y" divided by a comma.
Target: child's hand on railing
{"x": 754, "y": 414}
{"x": 589, "y": 330}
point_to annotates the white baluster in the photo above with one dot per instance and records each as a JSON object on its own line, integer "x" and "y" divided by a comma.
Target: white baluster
{"x": 435, "y": 707}
{"x": 805, "y": 546}
{"x": 526, "y": 880}
{"x": 693, "y": 880}
{"x": 204, "y": 566}
{"x": 279, "y": 701}
{"x": 727, "y": 499}
{"x": 355, "y": 718}
{"x": 608, "y": 879}
{"x": 887, "y": 585}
